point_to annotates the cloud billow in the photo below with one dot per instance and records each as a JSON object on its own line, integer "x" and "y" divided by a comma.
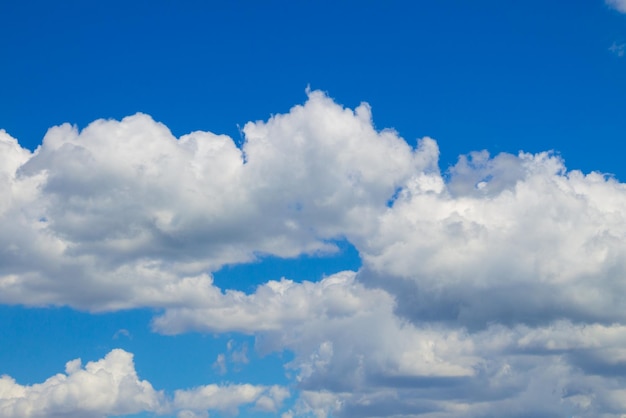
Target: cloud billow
{"x": 110, "y": 387}
{"x": 104, "y": 218}
{"x": 533, "y": 243}
{"x": 494, "y": 289}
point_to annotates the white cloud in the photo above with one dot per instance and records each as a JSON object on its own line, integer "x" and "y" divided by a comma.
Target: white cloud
{"x": 111, "y": 387}
{"x": 510, "y": 239}
{"x": 334, "y": 297}
{"x": 313, "y": 320}
{"x": 492, "y": 290}
{"x": 105, "y": 218}
{"x": 619, "y": 5}
{"x": 227, "y": 398}
{"x": 123, "y": 214}
{"x": 365, "y": 360}
{"x": 512, "y": 379}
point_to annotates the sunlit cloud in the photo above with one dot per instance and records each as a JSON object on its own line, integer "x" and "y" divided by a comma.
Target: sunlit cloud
{"x": 489, "y": 289}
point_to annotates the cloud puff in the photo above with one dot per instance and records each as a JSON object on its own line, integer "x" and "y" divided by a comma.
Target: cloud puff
{"x": 506, "y": 273}
{"x": 364, "y": 360}
{"x": 104, "y": 218}
{"x": 493, "y": 289}
{"x": 229, "y": 398}
{"x": 312, "y": 319}
{"x": 522, "y": 372}
{"x": 512, "y": 239}
{"x": 334, "y": 297}
{"x": 110, "y": 387}
{"x": 123, "y": 215}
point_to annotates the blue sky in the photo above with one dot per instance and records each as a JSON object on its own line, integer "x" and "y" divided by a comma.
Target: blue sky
{"x": 312, "y": 209}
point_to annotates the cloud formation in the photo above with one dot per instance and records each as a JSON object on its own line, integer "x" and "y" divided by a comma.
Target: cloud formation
{"x": 493, "y": 289}
{"x": 536, "y": 241}
{"x": 111, "y": 387}
{"x": 105, "y": 218}
{"x": 364, "y": 360}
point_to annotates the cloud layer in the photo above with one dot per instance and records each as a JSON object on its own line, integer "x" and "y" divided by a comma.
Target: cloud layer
{"x": 493, "y": 289}
{"x": 354, "y": 356}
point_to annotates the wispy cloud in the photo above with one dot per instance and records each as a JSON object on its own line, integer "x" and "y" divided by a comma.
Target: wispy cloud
{"x": 122, "y": 332}
{"x": 619, "y": 5}
{"x": 618, "y": 49}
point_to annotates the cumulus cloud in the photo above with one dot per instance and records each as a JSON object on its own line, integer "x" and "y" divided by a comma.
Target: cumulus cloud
{"x": 106, "y": 217}
{"x": 229, "y": 398}
{"x": 312, "y": 319}
{"x": 111, "y": 387}
{"x": 537, "y": 242}
{"x": 493, "y": 289}
{"x": 336, "y": 296}
{"x": 505, "y": 273}
{"x": 122, "y": 214}
{"x": 364, "y": 360}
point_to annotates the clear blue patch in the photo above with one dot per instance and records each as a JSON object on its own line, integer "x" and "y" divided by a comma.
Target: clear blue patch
{"x": 246, "y": 277}
{"x": 393, "y": 198}
{"x": 37, "y": 343}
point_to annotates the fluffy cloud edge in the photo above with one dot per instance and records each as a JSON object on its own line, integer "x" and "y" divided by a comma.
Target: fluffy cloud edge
{"x": 110, "y": 387}
{"x": 103, "y": 218}
{"x": 518, "y": 238}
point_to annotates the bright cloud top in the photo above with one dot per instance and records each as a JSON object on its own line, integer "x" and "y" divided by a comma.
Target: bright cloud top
{"x": 110, "y": 386}
{"x": 537, "y": 242}
{"x": 493, "y": 289}
{"x": 105, "y": 218}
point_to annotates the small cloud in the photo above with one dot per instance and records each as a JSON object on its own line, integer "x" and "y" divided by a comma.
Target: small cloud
{"x": 99, "y": 394}
{"x": 239, "y": 356}
{"x": 220, "y": 364}
{"x": 235, "y": 356}
{"x": 121, "y": 332}
{"x": 618, "y": 49}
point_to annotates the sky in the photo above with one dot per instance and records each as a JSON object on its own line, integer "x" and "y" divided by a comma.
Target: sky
{"x": 313, "y": 209}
